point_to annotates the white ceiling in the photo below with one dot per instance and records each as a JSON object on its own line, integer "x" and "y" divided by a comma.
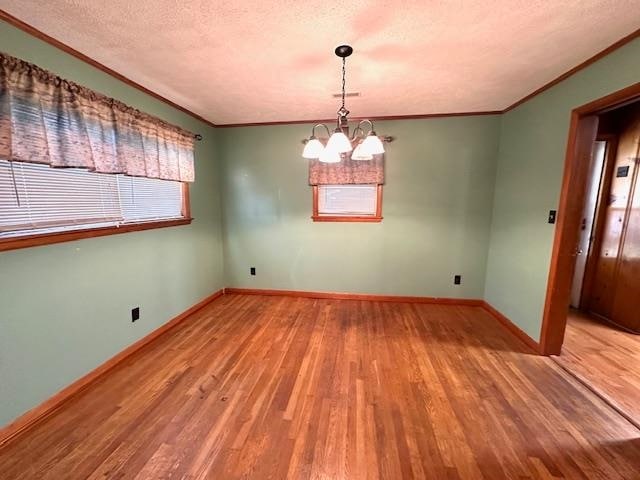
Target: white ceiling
{"x": 243, "y": 61}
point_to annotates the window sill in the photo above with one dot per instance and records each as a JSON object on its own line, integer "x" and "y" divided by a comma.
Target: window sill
{"x": 344, "y": 218}
{"x": 50, "y": 238}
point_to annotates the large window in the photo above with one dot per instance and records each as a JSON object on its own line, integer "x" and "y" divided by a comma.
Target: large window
{"x": 347, "y": 203}
{"x": 40, "y": 204}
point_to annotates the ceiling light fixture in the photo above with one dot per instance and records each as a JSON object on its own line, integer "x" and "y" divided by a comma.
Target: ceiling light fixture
{"x": 361, "y": 146}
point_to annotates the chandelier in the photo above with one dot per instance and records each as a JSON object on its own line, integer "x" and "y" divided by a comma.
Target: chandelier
{"x": 362, "y": 145}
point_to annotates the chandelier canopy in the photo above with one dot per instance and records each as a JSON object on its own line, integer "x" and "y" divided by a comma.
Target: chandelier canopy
{"x": 336, "y": 146}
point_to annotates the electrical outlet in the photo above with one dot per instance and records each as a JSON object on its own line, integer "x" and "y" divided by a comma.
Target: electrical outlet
{"x": 252, "y": 270}
{"x": 135, "y": 314}
{"x": 457, "y": 279}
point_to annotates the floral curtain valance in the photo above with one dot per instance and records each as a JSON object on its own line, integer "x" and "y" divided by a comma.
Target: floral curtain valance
{"x": 46, "y": 119}
{"x": 347, "y": 172}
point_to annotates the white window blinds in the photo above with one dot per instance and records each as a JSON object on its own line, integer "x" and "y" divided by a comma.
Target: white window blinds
{"x": 146, "y": 199}
{"x": 36, "y": 199}
{"x": 347, "y": 199}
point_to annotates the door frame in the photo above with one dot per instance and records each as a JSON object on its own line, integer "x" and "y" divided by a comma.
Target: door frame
{"x": 572, "y": 195}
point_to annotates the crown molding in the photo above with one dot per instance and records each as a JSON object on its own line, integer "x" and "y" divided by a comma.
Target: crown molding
{"x": 7, "y": 17}
{"x": 377, "y": 119}
{"x": 31, "y": 30}
{"x": 603, "y": 53}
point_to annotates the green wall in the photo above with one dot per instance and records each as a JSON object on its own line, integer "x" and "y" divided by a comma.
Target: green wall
{"x": 530, "y": 163}
{"x": 437, "y": 206}
{"x": 466, "y": 195}
{"x": 65, "y": 309}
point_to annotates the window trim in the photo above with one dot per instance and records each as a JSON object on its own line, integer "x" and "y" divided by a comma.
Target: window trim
{"x": 36, "y": 240}
{"x": 318, "y": 217}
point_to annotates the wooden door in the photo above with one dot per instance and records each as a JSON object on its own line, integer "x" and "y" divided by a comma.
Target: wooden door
{"x": 626, "y": 303}
{"x": 596, "y": 169}
{"x": 614, "y": 290}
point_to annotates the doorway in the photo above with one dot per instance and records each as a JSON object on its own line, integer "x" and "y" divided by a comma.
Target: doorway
{"x": 610, "y": 286}
{"x": 592, "y": 313}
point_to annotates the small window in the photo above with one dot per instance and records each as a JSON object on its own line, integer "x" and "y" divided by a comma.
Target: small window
{"x": 37, "y": 201}
{"x": 347, "y": 203}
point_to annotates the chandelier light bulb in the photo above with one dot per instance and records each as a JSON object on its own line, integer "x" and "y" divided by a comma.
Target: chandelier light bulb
{"x": 339, "y": 142}
{"x": 313, "y": 149}
{"x": 329, "y": 156}
{"x": 359, "y": 153}
{"x": 372, "y": 144}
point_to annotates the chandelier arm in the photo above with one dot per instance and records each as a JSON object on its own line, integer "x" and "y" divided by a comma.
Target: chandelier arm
{"x": 313, "y": 130}
{"x": 355, "y": 132}
{"x": 366, "y": 120}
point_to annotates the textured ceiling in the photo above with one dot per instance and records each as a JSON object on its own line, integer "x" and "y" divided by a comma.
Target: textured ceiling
{"x": 235, "y": 61}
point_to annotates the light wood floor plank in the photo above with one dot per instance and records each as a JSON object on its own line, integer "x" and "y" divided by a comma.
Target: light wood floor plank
{"x": 606, "y": 358}
{"x": 270, "y": 387}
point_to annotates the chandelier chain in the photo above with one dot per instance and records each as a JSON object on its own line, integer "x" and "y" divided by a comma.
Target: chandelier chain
{"x": 344, "y": 61}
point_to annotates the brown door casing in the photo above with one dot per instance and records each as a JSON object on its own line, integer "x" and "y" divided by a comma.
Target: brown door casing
{"x": 582, "y": 133}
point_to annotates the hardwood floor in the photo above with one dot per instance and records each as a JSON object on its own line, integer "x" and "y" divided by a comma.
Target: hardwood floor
{"x": 277, "y": 387}
{"x": 606, "y": 358}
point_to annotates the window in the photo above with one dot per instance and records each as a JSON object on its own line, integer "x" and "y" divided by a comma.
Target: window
{"x": 347, "y": 203}
{"x": 40, "y": 204}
